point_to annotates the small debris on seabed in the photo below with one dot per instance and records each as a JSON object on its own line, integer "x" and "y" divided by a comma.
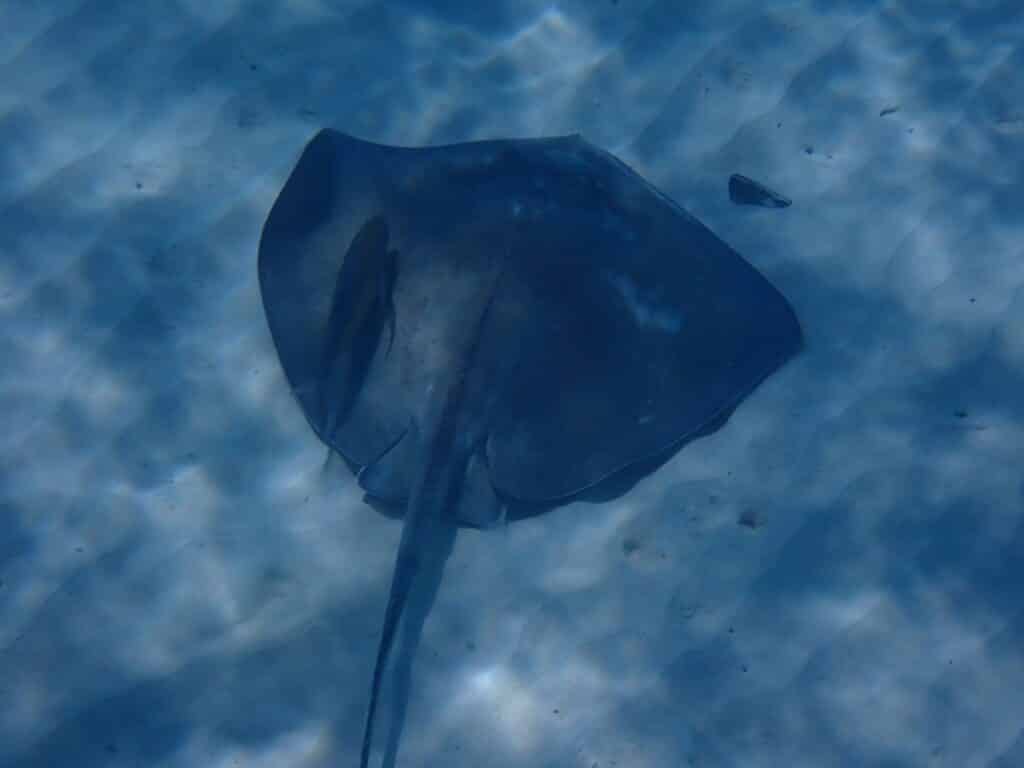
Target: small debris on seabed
{"x": 889, "y": 111}
{"x": 746, "y": 191}
{"x": 750, "y": 519}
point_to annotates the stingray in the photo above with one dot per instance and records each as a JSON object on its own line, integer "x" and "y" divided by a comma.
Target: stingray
{"x": 499, "y": 323}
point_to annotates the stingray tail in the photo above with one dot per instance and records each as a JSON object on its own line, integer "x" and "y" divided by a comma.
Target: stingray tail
{"x": 428, "y": 516}
{"x": 426, "y": 537}
{"x": 406, "y": 567}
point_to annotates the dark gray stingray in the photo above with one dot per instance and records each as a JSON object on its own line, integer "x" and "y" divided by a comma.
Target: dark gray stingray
{"x": 500, "y": 322}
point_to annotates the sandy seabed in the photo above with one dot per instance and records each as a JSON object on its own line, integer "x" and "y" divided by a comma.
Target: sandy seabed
{"x": 831, "y": 579}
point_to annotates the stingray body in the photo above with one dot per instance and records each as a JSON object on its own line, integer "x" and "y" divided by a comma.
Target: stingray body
{"x": 501, "y": 321}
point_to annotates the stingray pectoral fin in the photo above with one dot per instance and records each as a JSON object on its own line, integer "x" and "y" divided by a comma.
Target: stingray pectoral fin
{"x": 387, "y": 478}
{"x": 479, "y": 505}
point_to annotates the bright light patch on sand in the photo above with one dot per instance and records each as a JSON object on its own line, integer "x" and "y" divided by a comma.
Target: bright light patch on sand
{"x": 105, "y": 398}
{"x": 552, "y": 43}
{"x": 157, "y": 158}
{"x": 843, "y": 612}
{"x": 294, "y": 475}
{"x": 504, "y": 699}
{"x": 574, "y": 566}
{"x": 188, "y": 505}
